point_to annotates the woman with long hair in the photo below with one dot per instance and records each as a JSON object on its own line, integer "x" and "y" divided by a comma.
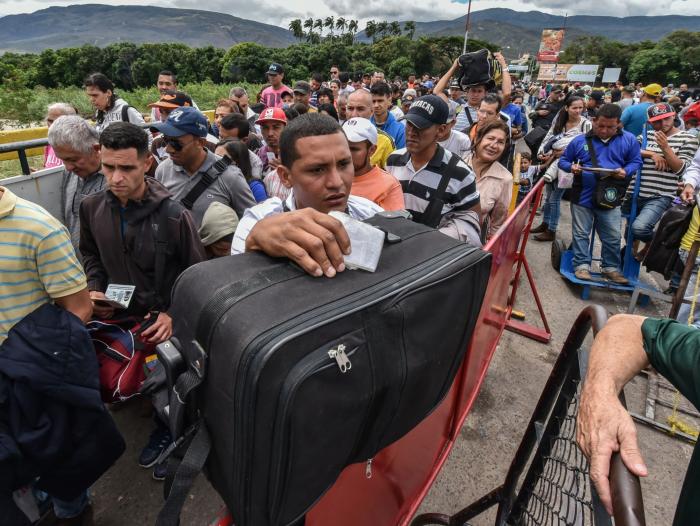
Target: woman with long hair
{"x": 237, "y": 151}
{"x": 568, "y": 124}
{"x": 493, "y": 180}
{"x": 108, "y": 106}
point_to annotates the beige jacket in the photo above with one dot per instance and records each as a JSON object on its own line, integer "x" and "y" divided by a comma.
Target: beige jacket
{"x": 495, "y": 191}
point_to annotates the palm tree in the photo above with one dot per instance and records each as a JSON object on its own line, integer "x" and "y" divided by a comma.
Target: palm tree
{"x": 318, "y": 24}
{"x": 340, "y": 24}
{"x": 353, "y": 28}
{"x": 296, "y": 28}
{"x": 395, "y": 28}
{"x": 309, "y": 24}
{"x": 371, "y": 30}
{"x": 329, "y": 23}
{"x": 410, "y": 28}
{"x": 382, "y": 28}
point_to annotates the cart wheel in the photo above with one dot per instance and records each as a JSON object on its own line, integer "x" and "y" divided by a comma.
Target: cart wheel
{"x": 558, "y": 248}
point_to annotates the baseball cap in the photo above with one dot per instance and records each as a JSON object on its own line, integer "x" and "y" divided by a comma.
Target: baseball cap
{"x": 410, "y": 91}
{"x": 218, "y": 222}
{"x": 556, "y": 88}
{"x": 408, "y": 98}
{"x": 172, "y": 99}
{"x": 183, "y": 121}
{"x": 597, "y": 96}
{"x": 359, "y": 129}
{"x": 652, "y": 89}
{"x": 272, "y": 114}
{"x": 455, "y": 84}
{"x": 275, "y": 69}
{"x": 302, "y": 87}
{"x": 427, "y": 111}
{"x": 656, "y": 112}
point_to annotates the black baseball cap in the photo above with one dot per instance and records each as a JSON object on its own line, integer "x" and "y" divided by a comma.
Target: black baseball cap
{"x": 597, "y": 96}
{"x": 427, "y": 111}
{"x": 275, "y": 69}
{"x": 302, "y": 87}
{"x": 172, "y": 99}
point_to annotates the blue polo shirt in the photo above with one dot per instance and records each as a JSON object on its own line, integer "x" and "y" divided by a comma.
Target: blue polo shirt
{"x": 634, "y": 117}
{"x": 394, "y": 128}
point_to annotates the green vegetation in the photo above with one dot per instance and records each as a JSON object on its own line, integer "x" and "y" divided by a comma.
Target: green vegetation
{"x": 25, "y": 105}
{"x": 675, "y": 58}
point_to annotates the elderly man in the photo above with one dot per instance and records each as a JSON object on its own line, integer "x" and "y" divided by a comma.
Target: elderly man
{"x": 360, "y": 105}
{"x": 53, "y": 112}
{"x": 240, "y": 97}
{"x": 76, "y": 143}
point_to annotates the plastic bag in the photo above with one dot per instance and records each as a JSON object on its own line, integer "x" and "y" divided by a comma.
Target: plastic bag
{"x": 566, "y": 179}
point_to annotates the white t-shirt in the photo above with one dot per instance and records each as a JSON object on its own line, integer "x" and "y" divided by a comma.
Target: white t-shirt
{"x": 397, "y": 112}
{"x": 458, "y": 143}
{"x": 358, "y": 208}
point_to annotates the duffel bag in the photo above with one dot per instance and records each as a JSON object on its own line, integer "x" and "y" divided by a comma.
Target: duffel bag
{"x": 291, "y": 378}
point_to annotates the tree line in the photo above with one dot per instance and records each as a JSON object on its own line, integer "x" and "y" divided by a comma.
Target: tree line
{"x": 132, "y": 66}
{"x": 675, "y": 58}
{"x": 340, "y": 29}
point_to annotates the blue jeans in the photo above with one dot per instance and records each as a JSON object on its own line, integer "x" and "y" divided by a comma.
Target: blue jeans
{"x": 649, "y": 212}
{"x": 66, "y": 509}
{"x": 551, "y": 207}
{"x": 608, "y": 230}
{"x": 684, "y": 311}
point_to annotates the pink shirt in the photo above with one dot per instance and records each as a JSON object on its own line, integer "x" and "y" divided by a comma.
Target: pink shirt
{"x": 272, "y": 98}
{"x": 50, "y": 159}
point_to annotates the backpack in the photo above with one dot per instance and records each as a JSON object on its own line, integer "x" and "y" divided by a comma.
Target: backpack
{"x": 479, "y": 67}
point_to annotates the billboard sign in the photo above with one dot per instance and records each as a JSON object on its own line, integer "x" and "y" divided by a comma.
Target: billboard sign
{"x": 611, "y": 75}
{"x": 568, "y": 72}
{"x": 550, "y": 45}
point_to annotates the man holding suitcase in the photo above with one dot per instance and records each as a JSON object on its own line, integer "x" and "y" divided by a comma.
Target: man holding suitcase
{"x": 316, "y": 164}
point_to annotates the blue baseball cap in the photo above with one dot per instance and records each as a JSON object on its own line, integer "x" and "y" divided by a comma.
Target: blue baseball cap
{"x": 184, "y": 121}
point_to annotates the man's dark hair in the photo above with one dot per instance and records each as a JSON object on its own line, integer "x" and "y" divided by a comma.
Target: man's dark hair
{"x": 168, "y": 73}
{"x": 317, "y": 77}
{"x": 609, "y": 111}
{"x": 381, "y": 88}
{"x": 124, "y": 135}
{"x": 526, "y": 155}
{"x": 236, "y": 121}
{"x": 326, "y": 91}
{"x": 290, "y": 113}
{"x": 300, "y": 108}
{"x": 492, "y": 98}
{"x": 329, "y": 109}
{"x": 308, "y": 125}
{"x": 344, "y": 77}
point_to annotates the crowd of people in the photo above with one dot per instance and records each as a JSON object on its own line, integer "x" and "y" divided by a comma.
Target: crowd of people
{"x": 264, "y": 175}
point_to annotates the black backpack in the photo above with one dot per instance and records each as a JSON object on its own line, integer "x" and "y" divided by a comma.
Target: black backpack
{"x": 479, "y": 67}
{"x": 289, "y": 378}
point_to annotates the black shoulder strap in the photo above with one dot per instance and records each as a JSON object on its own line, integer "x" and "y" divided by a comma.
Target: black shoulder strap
{"x": 469, "y": 115}
{"x": 205, "y": 181}
{"x": 125, "y": 113}
{"x": 591, "y": 151}
{"x": 433, "y": 212}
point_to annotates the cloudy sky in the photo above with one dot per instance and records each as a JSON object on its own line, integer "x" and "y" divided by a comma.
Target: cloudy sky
{"x": 279, "y": 12}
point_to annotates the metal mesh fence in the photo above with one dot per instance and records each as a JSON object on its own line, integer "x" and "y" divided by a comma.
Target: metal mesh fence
{"x": 557, "y": 490}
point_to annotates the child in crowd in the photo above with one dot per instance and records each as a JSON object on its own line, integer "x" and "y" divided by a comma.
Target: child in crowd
{"x": 529, "y": 175}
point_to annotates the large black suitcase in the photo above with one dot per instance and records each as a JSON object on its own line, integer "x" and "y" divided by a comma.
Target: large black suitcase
{"x": 303, "y": 376}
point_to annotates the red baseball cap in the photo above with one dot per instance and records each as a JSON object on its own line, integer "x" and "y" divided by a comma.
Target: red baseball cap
{"x": 659, "y": 111}
{"x": 272, "y": 114}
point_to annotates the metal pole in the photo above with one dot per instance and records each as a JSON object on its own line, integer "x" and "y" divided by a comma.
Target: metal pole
{"x": 466, "y": 32}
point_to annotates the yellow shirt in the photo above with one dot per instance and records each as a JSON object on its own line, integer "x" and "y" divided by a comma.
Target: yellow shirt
{"x": 37, "y": 260}
{"x": 692, "y": 233}
{"x": 385, "y": 145}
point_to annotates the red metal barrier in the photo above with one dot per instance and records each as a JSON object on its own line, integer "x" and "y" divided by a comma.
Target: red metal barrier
{"x": 401, "y": 474}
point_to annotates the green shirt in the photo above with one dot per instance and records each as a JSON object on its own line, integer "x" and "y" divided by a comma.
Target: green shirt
{"x": 674, "y": 350}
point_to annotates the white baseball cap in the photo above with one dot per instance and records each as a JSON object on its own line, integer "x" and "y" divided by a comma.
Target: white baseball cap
{"x": 359, "y": 129}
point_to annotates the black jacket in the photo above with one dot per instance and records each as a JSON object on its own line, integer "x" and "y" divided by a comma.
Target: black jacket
{"x": 53, "y": 424}
{"x": 119, "y": 245}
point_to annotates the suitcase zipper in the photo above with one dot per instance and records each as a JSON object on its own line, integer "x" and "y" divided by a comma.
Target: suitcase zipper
{"x": 267, "y": 342}
{"x": 319, "y": 361}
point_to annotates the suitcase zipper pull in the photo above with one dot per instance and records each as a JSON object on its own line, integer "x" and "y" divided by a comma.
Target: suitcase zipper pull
{"x": 368, "y": 468}
{"x": 341, "y": 358}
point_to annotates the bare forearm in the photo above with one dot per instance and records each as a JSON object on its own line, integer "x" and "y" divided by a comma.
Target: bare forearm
{"x": 617, "y": 354}
{"x": 674, "y": 162}
{"x": 444, "y": 81}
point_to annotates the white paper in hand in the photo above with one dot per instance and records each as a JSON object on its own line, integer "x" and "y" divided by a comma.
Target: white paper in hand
{"x": 366, "y": 243}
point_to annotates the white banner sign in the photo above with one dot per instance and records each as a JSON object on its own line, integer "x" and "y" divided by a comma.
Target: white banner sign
{"x": 611, "y": 75}
{"x": 582, "y": 73}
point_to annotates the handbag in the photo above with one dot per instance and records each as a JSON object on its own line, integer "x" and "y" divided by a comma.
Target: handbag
{"x": 609, "y": 192}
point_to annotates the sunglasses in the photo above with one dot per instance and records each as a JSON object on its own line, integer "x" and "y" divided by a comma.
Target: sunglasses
{"x": 334, "y": 72}
{"x": 175, "y": 143}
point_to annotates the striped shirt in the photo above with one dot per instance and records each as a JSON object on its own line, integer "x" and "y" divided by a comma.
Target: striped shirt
{"x": 656, "y": 182}
{"x": 37, "y": 261}
{"x": 418, "y": 184}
